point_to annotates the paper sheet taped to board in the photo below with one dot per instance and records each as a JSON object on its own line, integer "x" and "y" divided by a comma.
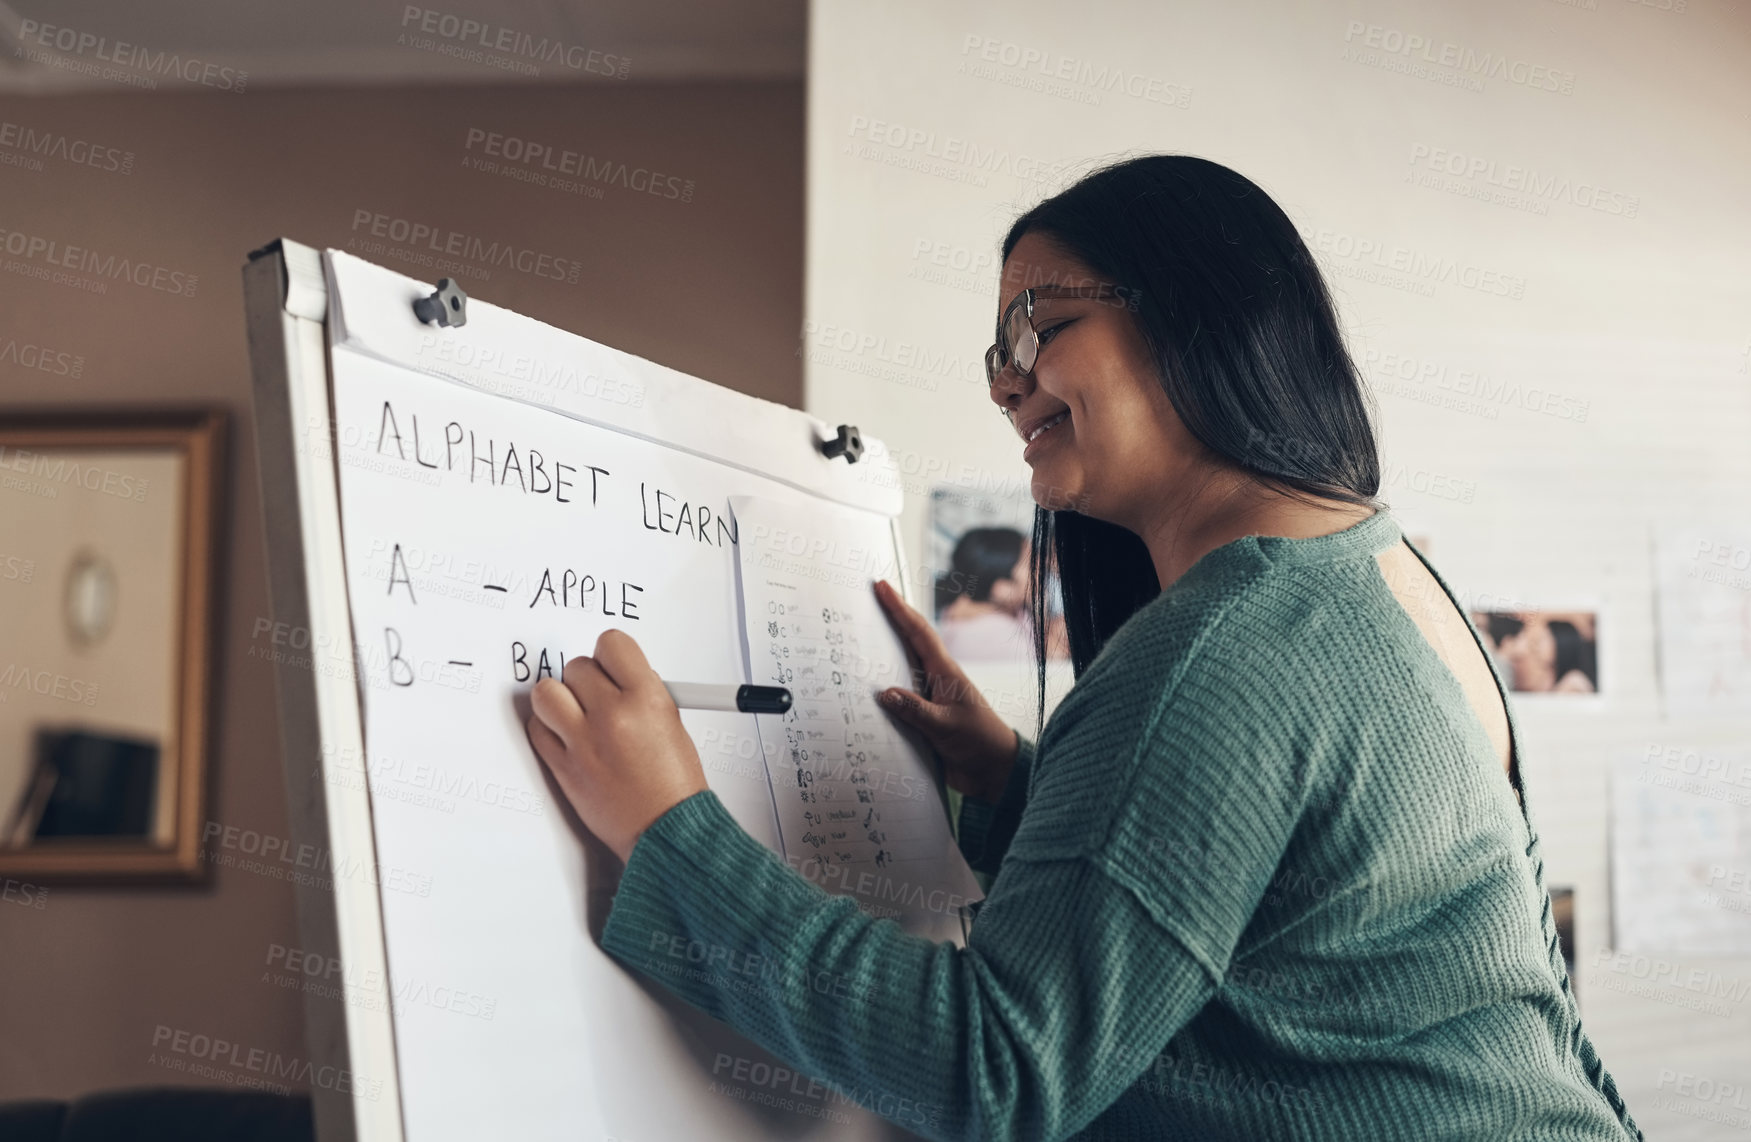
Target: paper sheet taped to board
{"x": 857, "y": 805}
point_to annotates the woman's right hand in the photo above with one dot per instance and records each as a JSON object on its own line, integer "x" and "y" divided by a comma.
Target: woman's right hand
{"x": 978, "y": 748}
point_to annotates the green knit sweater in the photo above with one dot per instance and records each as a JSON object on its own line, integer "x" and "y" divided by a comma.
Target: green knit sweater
{"x": 1263, "y": 878}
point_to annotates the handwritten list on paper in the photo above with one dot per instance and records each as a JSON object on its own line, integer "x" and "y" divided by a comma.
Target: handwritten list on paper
{"x": 857, "y": 807}
{"x": 1680, "y": 851}
{"x": 1703, "y": 579}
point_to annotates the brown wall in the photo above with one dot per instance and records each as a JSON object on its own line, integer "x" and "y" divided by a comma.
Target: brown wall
{"x": 712, "y": 286}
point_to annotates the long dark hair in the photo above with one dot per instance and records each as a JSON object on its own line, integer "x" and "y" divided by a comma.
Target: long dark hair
{"x": 1246, "y": 344}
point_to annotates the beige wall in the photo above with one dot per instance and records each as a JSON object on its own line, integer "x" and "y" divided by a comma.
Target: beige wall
{"x": 712, "y": 285}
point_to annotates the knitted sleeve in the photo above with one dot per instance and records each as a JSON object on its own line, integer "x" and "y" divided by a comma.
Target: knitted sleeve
{"x": 986, "y": 827}
{"x": 1066, "y": 990}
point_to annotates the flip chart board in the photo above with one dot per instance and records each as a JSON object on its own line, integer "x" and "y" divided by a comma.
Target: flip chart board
{"x": 463, "y": 509}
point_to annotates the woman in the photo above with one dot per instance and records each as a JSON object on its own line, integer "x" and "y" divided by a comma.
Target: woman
{"x": 1265, "y": 874}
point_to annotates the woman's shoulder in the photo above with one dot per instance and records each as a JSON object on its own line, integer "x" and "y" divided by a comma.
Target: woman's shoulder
{"x": 1235, "y": 607}
{"x": 1243, "y": 637}
{"x": 1202, "y": 625}
{"x": 1198, "y": 696}
{"x": 1221, "y": 688}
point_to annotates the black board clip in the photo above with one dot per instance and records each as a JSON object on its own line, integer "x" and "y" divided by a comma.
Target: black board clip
{"x": 849, "y": 444}
{"x": 448, "y": 305}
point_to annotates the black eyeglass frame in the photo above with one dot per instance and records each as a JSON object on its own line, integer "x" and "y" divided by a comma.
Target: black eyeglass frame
{"x": 1002, "y": 353}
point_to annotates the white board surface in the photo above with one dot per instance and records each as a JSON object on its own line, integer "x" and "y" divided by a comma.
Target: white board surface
{"x": 488, "y": 534}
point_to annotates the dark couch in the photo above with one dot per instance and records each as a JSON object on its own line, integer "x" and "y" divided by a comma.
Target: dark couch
{"x": 161, "y": 1114}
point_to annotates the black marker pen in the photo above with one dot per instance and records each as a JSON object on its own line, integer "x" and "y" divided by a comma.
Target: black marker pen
{"x": 744, "y": 699}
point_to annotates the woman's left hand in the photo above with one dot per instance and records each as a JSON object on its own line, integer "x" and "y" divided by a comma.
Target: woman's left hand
{"x": 614, "y": 741}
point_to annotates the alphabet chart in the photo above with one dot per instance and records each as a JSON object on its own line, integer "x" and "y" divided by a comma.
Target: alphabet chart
{"x": 857, "y": 807}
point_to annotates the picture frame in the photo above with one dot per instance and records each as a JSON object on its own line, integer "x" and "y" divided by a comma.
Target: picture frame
{"x": 1568, "y": 661}
{"x": 109, "y": 583}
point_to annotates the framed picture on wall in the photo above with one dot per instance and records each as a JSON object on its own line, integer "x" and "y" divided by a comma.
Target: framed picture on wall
{"x": 108, "y": 565}
{"x": 980, "y": 554}
{"x": 1551, "y": 651}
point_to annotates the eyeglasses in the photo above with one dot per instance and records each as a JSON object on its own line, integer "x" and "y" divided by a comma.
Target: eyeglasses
{"x": 1018, "y": 342}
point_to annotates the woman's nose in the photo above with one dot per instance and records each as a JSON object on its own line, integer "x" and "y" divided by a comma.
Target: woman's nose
{"x": 1009, "y": 388}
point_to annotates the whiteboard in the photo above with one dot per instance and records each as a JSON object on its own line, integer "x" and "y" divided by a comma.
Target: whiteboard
{"x": 472, "y": 506}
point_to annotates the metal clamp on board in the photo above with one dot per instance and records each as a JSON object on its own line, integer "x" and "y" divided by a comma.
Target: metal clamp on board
{"x": 849, "y": 444}
{"x": 448, "y": 305}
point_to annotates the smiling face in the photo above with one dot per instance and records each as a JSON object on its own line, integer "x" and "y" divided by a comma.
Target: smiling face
{"x": 1097, "y": 428}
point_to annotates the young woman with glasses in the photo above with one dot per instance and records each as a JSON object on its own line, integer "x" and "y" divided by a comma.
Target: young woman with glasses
{"x": 1270, "y": 870}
